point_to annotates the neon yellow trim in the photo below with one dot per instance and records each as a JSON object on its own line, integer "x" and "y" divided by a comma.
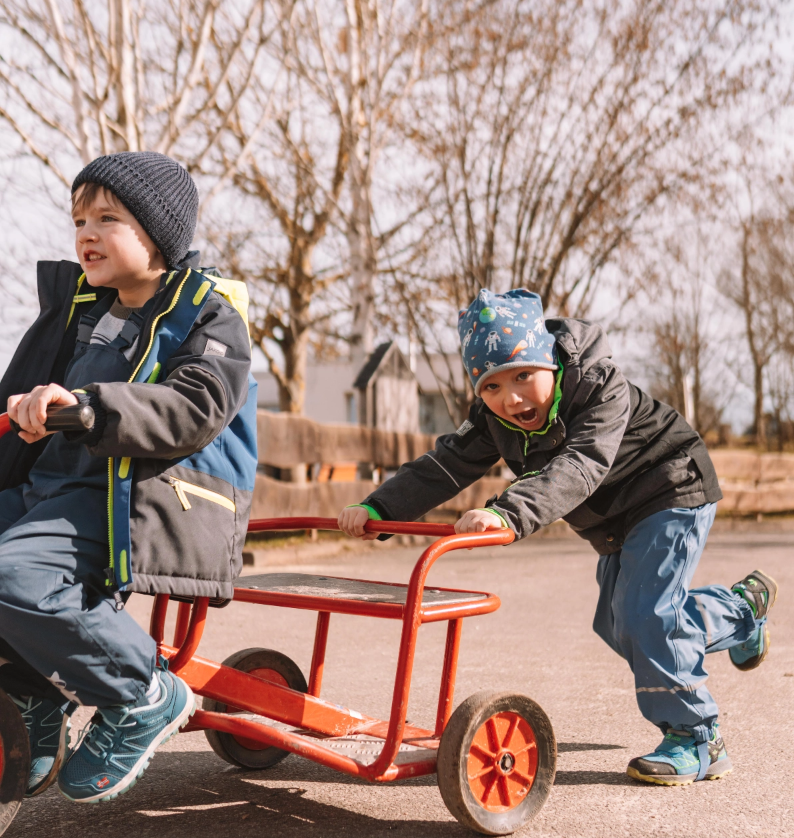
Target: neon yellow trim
{"x": 82, "y": 392}
{"x": 374, "y": 515}
{"x": 182, "y": 486}
{"x": 80, "y": 281}
{"x": 124, "y": 575}
{"x": 156, "y": 321}
{"x": 124, "y": 467}
{"x": 199, "y": 295}
{"x": 110, "y": 516}
{"x": 501, "y": 517}
{"x": 155, "y": 372}
{"x": 84, "y": 298}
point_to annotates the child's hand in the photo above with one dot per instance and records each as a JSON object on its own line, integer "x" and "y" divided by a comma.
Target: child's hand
{"x": 478, "y": 520}
{"x": 352, "y": 520}
{"x": 29, "y": 410}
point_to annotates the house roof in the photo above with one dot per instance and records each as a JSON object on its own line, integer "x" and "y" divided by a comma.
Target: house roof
{"x": 370, "y": 367}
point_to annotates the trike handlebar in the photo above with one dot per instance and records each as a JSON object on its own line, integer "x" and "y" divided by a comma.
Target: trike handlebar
{"x": 60, "y": 417}
{"x": 480, "y": 539}
{"x": 391, "y": 527}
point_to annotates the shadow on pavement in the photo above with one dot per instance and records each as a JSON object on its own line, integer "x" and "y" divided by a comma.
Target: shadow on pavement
{"x": 192, "y": 795}
{"x": 565, "y": 747}
{"x": 593, "y": 778}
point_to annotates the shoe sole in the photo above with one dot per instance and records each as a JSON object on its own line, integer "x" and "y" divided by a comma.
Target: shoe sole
{"x": 752, "y": 663}
{"x": 678, "y": 779}
{"x": 142, "y": 764}
{"x": 56, "y": 767}
{"x": 774, "y": 582}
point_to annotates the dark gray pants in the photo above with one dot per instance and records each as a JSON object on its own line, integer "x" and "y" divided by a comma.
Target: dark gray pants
{"x": 57, "y": 625}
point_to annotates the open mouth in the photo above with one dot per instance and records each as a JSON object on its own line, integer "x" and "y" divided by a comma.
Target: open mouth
{"x": 89, "y": 258}
{"x": 527, "y": 417}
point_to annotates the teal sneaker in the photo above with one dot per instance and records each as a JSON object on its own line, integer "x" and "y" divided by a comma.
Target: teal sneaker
{"x": 48, "y": 729}
{"x": 120, "y": 741}
{"x": 759, "y": 591}
{"x": 679, "y": 760}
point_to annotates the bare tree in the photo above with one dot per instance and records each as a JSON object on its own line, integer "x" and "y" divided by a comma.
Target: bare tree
{"x": 762, "y": 287}
{"x": 551, "y": 130}
{"x": 363, "y": 59}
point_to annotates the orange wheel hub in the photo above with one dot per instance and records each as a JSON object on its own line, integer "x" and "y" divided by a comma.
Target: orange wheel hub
{"x": 503, "y": 762}
{"x": 266, "y": 675}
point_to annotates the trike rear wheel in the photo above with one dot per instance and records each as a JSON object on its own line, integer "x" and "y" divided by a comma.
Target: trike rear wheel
{"x": 496, "y": 762}
{"x": 14, "y": 760}
{"x": 268, "y": 665}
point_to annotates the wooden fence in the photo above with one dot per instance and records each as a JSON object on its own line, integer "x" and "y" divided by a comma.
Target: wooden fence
{"x": 752, "y": 483}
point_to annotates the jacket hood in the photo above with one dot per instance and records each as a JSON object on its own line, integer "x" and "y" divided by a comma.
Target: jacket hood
{"x": 583, "y": 342}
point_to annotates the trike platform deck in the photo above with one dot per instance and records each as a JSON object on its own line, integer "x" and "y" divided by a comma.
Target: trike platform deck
{"x": 339, "y": 595}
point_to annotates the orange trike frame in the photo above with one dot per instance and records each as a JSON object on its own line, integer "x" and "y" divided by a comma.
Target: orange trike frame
{"x": 312, "y": 718}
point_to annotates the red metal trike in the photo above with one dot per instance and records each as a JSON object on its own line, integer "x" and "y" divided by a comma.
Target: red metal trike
{"x": 495, "y": 755}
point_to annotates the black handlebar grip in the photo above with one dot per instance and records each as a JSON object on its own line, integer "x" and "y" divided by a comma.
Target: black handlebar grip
{"x": 66, "y": 417}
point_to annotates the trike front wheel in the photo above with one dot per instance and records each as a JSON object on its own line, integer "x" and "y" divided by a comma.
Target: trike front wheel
{"x": 268, "y": 665}
{"x": 496, "y": 762}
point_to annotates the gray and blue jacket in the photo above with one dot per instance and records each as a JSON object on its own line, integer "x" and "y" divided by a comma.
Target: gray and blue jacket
{"x": 178, "y": 438}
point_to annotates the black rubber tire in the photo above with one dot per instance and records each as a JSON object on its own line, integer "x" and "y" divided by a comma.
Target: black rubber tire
{"x": 15, "y": 759}
{"x": 224, "y": 744}
{"x": 453, "y": 755}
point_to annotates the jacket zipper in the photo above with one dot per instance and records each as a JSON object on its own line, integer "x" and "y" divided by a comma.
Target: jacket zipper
{"x": 183, "y": 489}
{"x": 112, "y": 569}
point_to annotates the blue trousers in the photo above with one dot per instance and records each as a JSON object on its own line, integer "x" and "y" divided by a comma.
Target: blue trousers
{"x": 57, "y": 625}
{"x": 647, "y": 613}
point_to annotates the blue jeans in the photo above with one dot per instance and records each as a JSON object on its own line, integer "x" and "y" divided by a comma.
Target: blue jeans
{"x": 649, "y": 616}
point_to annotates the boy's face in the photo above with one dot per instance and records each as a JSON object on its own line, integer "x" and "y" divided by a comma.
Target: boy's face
{"x": 522, "y": 396}
{"x": 114, "y": 250}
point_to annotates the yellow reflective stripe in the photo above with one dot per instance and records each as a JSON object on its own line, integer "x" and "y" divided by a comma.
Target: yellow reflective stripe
{"x": 124, "y": 467}
{"x": 125, "y": 577}
{"x": 199, "y": 295}
{"x": 157, "y": 320}
{"x": 110, "y": 516}
{"x": 80, "y": 281}
{"x": 181, "y": 487}
{"x": 84, "y": 298}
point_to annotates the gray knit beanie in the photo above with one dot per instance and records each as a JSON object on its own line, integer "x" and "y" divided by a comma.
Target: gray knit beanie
{"x": 156, "y": 190}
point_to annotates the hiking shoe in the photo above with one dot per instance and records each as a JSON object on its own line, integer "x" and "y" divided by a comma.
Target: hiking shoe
{"x": 676, "y": 761}
{"x": 118, "y": 745}
{"x": 48, "y": 729}
{"x": 759, "y": 591}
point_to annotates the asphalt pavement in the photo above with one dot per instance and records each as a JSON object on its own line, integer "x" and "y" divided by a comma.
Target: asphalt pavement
{"x": 539, "y": 643}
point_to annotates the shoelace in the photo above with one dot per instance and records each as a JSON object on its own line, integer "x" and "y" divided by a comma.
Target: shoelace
{"x": 98, "y": 739}
{"x": 26, "y": 709}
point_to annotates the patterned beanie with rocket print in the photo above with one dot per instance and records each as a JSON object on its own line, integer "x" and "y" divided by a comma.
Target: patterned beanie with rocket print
{"x": 502, "y": 331}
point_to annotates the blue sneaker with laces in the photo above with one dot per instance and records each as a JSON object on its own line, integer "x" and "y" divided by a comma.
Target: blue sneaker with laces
{"x": 759, "y": 591}
{"x": 48, "y": 729}
{"x": 118, "y": 745}
{"x": 680, "y": 760}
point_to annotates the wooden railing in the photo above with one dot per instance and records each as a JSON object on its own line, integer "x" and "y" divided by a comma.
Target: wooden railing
{"x": 751, "y": 483}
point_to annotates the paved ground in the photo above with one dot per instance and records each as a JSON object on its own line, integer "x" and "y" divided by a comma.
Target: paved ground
{"x": 539, "y": 643}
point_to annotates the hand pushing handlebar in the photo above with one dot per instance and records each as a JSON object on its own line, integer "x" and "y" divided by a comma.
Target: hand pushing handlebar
{"x": 60, "y": 417}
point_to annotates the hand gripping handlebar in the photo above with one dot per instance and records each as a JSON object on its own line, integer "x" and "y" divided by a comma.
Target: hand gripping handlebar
{"x": 60, "y": 417}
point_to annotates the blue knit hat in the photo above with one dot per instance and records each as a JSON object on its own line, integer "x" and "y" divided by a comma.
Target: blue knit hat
{"x": 502, "y": 331}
